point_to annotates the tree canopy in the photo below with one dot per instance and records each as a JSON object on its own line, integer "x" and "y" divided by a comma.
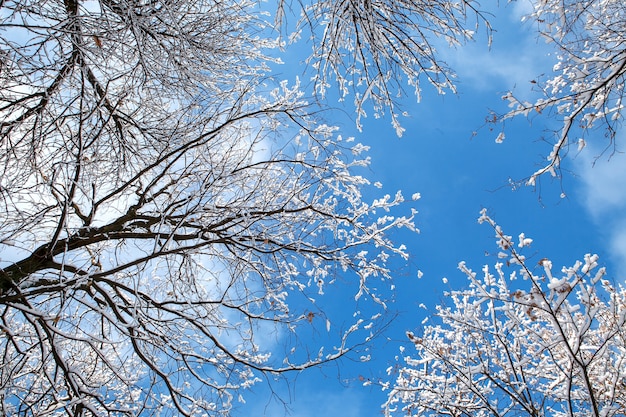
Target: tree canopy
{"x": 171, "y": 210}
{"x": 551, "y": 345}
{"x": 585, "y": 91}
{"x": 164, "y": 203}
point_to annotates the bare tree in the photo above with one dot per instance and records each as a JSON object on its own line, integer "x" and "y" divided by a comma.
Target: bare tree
{"x": 164, "y": 207}
{"x": 383, "y": 46}
{"x": 585, "y": 90}
{"x": 550, "y": 345}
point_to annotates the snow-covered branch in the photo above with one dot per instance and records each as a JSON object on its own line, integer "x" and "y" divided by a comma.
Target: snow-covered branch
{"x": 521, "y": 339}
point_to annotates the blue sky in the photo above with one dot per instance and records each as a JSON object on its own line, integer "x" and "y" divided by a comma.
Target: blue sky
{"x": 458, "y": 174}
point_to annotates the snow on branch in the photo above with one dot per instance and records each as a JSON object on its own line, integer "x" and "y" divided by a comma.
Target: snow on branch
{"x": 585, "y": 90}
{"x": 522, "y": 339}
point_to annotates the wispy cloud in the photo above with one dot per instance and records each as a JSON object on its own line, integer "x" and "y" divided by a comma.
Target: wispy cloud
{"x": 515, "y": 58}
{"x": 499, "y": 68}
{"x": 603, "y": 194}
{"x": 521, "y": 8}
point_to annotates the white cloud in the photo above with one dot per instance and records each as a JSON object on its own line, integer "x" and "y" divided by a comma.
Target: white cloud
{"x": 521, "y": 8}
{"x": 515, "y": 57}
{"x": 618, "y": 248}
{"x": 604, "y": 196}
{"x": 483, "y": 69}
{"x": 604, "y": 181}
